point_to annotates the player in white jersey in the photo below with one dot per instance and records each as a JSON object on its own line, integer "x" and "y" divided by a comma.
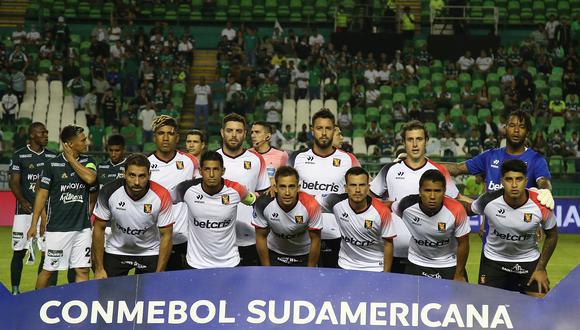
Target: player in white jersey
{"x": 439, "y": 228}
{"x": 195, "y": 143}
{"x": 366, "y": 228}
{"x": 511, "y": 257}
{"x": 212, "y": 203}
{"x": 249, "y": 169}
{"x": 401, "y": 178}
{"x": 139, "y": 211}
{"x": 287, "y": 225}
{"x": 321, "y": 171}
{"x": 170, "y": 167}
{"x": 261, "y": 133}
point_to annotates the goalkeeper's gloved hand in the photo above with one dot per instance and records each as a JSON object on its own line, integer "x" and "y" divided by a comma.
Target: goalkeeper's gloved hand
{"x": 545, "y": 197}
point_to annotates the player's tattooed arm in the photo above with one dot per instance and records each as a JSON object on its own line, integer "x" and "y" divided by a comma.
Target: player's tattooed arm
{"x": 165, "y": 246}
{"x": 540, "y": 275}
{"x": 456, "y": 169}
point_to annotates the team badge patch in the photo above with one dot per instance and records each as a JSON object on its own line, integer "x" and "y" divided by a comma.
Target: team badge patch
{"x": 336, "y": 162}
{"x": 31, "y": 166}
{"x": 64, "y": 176}
{"x": 226, "y": 199}
{"x": 247, "y": 164}
{"x": 527, "y": 217}
{"x": 147, "y": 208}
{"x": 482, "y": 279}
{"x": 179, "y": 164}
{"x": 299, "y": 219}
{"x": 441, "y": 226}
{"x": 368, "y": 224}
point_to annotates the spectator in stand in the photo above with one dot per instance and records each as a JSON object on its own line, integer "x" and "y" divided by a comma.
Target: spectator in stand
{"x": 302, "y": 78}
{"x": 61, "y": 35}
{"x": 371, "y": 74}
{"x": 490, "y": 142}
{"x": 9, "y": 108}
{"x": 90, "y": 106}
{"x": 373, "y": 134}
{"x": 551, "y": 26}
{"x": 444, "y": 98}
{"x": 514, "y": 58}
{"x": 18, "y": 83}
{"x": 289, "y": 134}
{"x": 110, "y": 108}
{"x": 99, "y": 32}
{"x": 415, "y": 112}
{"x": 462, "y": 126}
{"x": 331, "y": 89}
{"x": 557, "y": 107}
{"x": 33, "y": 37}
{"x": 539, "y": 37}
{"x": 345, "y": 117}
{"x": 146, "y": 118}
{"x": 556, "y": 145}
{"x": 229, "y": 32}
{"x": 525, "y": 87}
{"x": 450, "y": 71}
{"x": 487, "y": 128}
{"x": 473, "y": 146}
{"x": 129, "y": 132}
{"x": 571, "y": 149}
{"x": 372, "y": 96}
{"x": 273, "y": 109}
{"x": 399, "y": 112}
{"x": 408, "y": 23}
{"x": 448, "y": 145}
{"x": 316, "y": 39}
{"x": 185, "y": 47}
{"x": 539, "y": 143}
{"x": 19, "y": 35}
{"x": 46, "y": 50}
{"x": 232, "y": 87}
{"x": 314, "y": 80}
{"x": 572, "y": 107}
{"x": 544, "y": 65}
{"x": 202, "y": 92}
{"x": 77, "y": 88}
{"x": 570, "y": 83}
{"x": 483, "y": 99}
{"x": 468, "y": 97}
{"x": 251, "y": 45}
{"x": 484, "y": 62}
{"x": 218, "y": 94}
{"x": 466, "y": 62}
{"x": 508, "y": 79}
{"x": 17, "y": 60}
{"x": 446, "y": 124}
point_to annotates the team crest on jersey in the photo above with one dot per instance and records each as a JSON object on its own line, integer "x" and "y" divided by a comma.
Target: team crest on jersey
{"x": 441, "y": 226}
{"x": 369, "y": 224}
{"x": 336, "y": 162}
{"x": 527, "y": 217}
{"x": 147, "y": 208}
{"x": 179, "y": 164}
{"x": 247, "y": 164}
{"x": 226, "y": 199}
{"x": 64, "y": 176}
{"x": 31, "y": 166}
{"x": 299, "y": 219}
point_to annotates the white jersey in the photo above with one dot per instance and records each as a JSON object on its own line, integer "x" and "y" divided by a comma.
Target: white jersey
{"x": 433, "y": 238}
{"x": 288, "y": 230}
{"x": 212, "y": 235}
{"x": 363, "y": 234}
{"x": 512, "y": 232}
{"x": 134, "y": 223}
{"x": 249, "y": 169}
{"x": 397, "y": 180}
{"x": 322, "y": 176}
{"x": 169, "y": 174}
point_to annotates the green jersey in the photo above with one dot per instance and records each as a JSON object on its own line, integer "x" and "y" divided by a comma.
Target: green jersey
{"x": 68, "y": 199}
{"x": 29, "y": 164}
{"x": 107, "y": 172}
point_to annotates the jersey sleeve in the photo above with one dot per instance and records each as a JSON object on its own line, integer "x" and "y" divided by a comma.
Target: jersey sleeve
{"x": 379, "y": 183}
{"x": 478, "y": 206}
{"x": 387, "y": 226}
{"x": 239, "y": 188}
{"x": 284, "y": 158}
{"x": 478, "y": 163}
{"x": 91, "y": 164}
{"x": 314, "y": 211}
{"x": 354, "y": 160}
{"x": 195, "y": 164}
{"x": 102, "y": 210}
{"x": 450, "y": 187}
{"x": 548, "y": 217}
{"x": 165, "y": 216}
{"x": 15, "y": 164}
{"x": 404, "y": 204}
{"x": 462, "y": 226}
{"x": 178, "y": 193}
{"x": 541, "y": 169}
{"x": 46, "y": 177}
{"x": 327, "y": 202}
{"x": 258, "y": 219}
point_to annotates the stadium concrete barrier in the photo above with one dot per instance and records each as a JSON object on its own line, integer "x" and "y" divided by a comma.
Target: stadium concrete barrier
{"x": 287, "y": 298}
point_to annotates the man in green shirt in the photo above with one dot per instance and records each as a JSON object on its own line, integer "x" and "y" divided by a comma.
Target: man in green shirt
{"x": 314, "y": 81}
{"x": 65, "y": 184}
{"x": 97, "y": 134}
{"x": 77, "y": 87}
{"x": 129, "y": 133}
{"x": 474, "y": 186}
{"x": 114, "y": 167}
{"x": 251, "y": 45}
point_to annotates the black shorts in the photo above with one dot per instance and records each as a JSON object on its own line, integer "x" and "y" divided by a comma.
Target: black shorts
{"x": 329, "y": 249}
{"x": 446, "y": 273}
{"x": 177, "y": 257}
{"x": 119, "y": 265}
{"x": 512, "y": 276}
{"x": 249, "y": 255}
{"x": 399, "y": 265}
{"x": 277, "y": 259}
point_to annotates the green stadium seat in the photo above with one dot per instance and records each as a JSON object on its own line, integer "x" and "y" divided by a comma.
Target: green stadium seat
{"x": 464, "y": 78}
{"x": 526, "y": 15}
{"x": 497, "y": 107}
{"x": 197, "y": 17}
{"x": 494, "y": 92}
{"x": 482, "y": 114}
{"x": 513, "y": 7}
{"x": 555, "y": 93}
{"x": 424, "y": 72}
{"x": 343, "y": 97}
{"x": 183, "y": 10}
{"x": 571, "y": 166}
{"x": 437, "y": 79}
{"x": 149, "y": 147}
{"x": 556, "y": 164}
{"x": 95, "y": 13}
{"x": 359, "y": 121}
{"x": 320, "y": 17}
{"x": 372, "y": 114}
{"x": 344, "y": 84}
{"x": 412, "y": 92}
{"x": 541, "y": 86}
{"x": 563, "y": 8}
{"x": 477, "y": 84}
{"x": 386, "y": 92}
{"x": 555, "y": 80}
{"x": 400, "y": 97}
{"x": 452, "y": 86}
{"x": 472, "y": 120}
{"x": 556, "y": 124}
{"x": 431, "y": 128}
{"x": 538, "y": 7}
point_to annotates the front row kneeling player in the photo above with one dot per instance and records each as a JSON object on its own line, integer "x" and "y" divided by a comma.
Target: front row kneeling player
{"x": 212, "y": 204}
{"x": 287, "y": 225}
{"x": 511, "y": 258}
{"x": 439, "y": 227}
{"x": 367, "y": 230}
{"x": 139, "y": 211}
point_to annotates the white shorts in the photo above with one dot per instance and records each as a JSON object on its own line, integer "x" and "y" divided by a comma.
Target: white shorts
{"x": 66, "y": 250}
{"x": 20, "y": 230}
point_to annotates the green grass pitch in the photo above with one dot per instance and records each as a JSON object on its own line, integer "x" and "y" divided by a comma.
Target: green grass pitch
{"x": 565, "y": 258}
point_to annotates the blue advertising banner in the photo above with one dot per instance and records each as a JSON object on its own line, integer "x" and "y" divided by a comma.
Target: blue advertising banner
{"x": 287, "y": 298}
{"x": 567, "y": 212}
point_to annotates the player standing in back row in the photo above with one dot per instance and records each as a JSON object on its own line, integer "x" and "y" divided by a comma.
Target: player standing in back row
{"x": 25, "y": 169}
{"x": 65, "y": 183}
{"x": 248, "y": 168}
{"x": 170, "y": 167}
{"x": 261, "y": 133}
{"x": 114, "y": 167}
{"x": 322, "y": 169}
{"x": 400, "y": 179}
